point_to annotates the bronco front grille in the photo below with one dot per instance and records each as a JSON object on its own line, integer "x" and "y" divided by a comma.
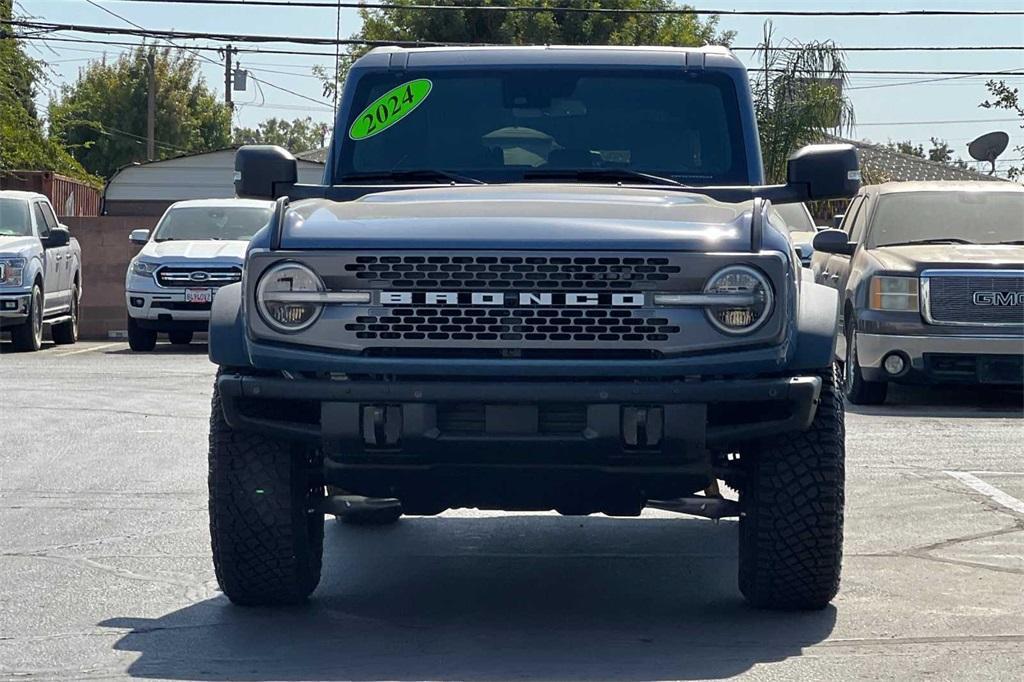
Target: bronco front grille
{"x": 978, "y": 297}
{"x": 513, "y": 324}
{"x": 199, "y": 276}
{"x": 512, "y": 272}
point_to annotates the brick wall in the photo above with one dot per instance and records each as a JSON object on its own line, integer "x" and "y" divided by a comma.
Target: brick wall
{"x": 105, "y": 255}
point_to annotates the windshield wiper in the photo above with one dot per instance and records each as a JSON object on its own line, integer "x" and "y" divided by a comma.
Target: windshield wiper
{"x": 618, "y": 174}
{"x": 933, "y": 240}
{"x": 1012, "y": 241}
{"x": 425, "y": 173}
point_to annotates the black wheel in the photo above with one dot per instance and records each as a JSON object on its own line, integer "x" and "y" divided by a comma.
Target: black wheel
{"x": 266, "y": 521}
{"x": 791, "y": 506}
{"x": 180, "y": 338}
{"x": 28, "y": 337}
{"x": 67, "y": 332}
{"x": 857, "y": 389}
{"x": 140, "y": 339}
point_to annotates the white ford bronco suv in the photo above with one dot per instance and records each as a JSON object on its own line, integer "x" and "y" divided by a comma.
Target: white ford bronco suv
{"x": 534, "y": 278}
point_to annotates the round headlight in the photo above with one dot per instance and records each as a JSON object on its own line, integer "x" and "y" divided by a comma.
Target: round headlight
{"x": 753, "y": 294}
{"x": 277, "y": 294}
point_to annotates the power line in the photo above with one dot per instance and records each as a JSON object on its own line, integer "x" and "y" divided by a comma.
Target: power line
{"x": 327, "y": 4}
{"x": 922, "y": 123}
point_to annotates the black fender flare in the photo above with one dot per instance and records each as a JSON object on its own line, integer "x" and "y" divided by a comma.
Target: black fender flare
{"x": 817, "y": 320}
{"x": 227, "y": 346}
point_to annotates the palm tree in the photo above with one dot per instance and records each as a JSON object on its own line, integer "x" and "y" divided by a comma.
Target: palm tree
{"x": 798, "y": 98}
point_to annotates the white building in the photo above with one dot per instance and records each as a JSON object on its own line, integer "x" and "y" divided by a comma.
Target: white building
{"x": 147, "y": 189}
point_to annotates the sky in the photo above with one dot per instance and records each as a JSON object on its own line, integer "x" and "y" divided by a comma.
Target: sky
{"x": 887, "y": 107}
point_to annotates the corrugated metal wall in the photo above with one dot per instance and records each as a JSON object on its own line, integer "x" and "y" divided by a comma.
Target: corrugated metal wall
{"x": 69, "y": 197}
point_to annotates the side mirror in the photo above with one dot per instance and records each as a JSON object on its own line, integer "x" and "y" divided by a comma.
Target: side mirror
{"x": 139, "y": 236}
{"x": 264, "y": 172}
{"x": 834, "y": 241}
{"x": 837, "y": 220}
{"x": 59, "y": 236}
{"x": 824, "y": 171}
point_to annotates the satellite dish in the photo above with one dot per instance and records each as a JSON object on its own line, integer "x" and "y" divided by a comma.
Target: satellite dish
{"x": 988, "y": 147}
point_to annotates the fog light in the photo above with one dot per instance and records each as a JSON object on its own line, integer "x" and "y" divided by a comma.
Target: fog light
{"x": 894, "y": 364}
{"x": 137, "y": 302}
{"x": 9, "y": 305}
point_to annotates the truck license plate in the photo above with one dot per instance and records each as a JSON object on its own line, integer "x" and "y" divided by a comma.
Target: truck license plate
{"x": 198, "y": 295}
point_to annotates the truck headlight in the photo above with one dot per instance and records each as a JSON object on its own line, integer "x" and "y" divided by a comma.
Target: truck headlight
{"x": 284, "y": 298}
{"x": 11, "y": 270}
{"x": 747, "y": 285}
{"x": 894, "y": 293}
{"x": 143, "y": 268}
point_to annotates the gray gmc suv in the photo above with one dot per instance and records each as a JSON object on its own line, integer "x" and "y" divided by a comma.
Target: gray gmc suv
{"x": 931, "y": 284}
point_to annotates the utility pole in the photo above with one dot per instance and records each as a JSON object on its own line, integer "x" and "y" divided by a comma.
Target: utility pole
{"x": 151, "y": 109}
{"x": 228, "y": 76}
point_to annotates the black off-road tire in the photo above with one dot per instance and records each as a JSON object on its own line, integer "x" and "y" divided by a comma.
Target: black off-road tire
{"x": 28, "y": 337}
{"x": 791, "y": 522}
{"x": 66, "y": 333}
{"x": 139, "y": 339}
{"x": 266, "y": 524}
{"x": 180, "y": 338}
{"x": 856, "y": 388}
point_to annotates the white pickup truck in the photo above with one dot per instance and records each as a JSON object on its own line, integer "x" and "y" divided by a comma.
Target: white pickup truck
{"x": 40, "y": 272}
{"x": 196, "y": 248}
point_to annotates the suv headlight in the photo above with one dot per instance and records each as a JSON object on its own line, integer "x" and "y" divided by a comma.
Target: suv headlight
{"x": 894, "y": 293}
{"x": 287, "y": 297}
{"x": 11, "y": 270}
{"x": 144, "y": 268}
{"x": 752, "y": 292}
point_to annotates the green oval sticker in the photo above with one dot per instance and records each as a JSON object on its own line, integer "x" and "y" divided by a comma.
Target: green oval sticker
{"x": 390, "y": 108}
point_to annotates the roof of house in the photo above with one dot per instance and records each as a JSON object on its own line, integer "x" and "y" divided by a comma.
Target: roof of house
{"x": 881, "y": 164}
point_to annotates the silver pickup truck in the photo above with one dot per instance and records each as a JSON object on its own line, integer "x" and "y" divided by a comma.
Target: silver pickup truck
{"x": 40, "y": 272}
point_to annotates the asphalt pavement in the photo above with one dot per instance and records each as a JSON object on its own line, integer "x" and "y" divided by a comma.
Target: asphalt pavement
{"x": 105, "y": 568}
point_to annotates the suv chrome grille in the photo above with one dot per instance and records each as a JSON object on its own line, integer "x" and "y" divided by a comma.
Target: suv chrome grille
{"x": 185, "y": 276}
{"x": 512, "y": 324}
{"x": 518, "y": 272}
{"x": 960, "y": 297}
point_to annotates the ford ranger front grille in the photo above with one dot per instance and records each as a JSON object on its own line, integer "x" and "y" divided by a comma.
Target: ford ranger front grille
{"x": 519, "y": 272}
{"x": 973, "y": 297}
{"x": 513, "y": 324}
{"x": 187, "y": 276}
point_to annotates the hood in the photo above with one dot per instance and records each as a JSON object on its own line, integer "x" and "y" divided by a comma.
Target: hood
{"x": 914, "y": 258}
{"x": 532, "y": 216}
{"x": 200, "y": 249}
{"x": 15, "y": 246}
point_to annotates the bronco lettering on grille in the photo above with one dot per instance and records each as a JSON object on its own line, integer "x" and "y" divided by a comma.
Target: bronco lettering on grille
{"x": 999, "y": 298}
{"x": 497, "y": 298}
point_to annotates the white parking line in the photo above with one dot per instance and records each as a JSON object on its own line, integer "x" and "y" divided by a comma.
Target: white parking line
{"x": 990, "y": 491}
{"x": 87, "y": 350}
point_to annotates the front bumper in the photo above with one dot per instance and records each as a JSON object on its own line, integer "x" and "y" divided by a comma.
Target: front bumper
{"x": 14, "y": 307}
{"x": 944, "y": 359}
{"x": 583, "y": 446}
{"x": 167, "y": 306}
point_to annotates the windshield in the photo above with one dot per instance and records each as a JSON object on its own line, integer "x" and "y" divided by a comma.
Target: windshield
{"x": 796, "y": 217}
{"x": 516, "y": 124}
{"x": 973, "y": 216}
{"x": 14, "y": 218}
{"x": 212, "y": 222}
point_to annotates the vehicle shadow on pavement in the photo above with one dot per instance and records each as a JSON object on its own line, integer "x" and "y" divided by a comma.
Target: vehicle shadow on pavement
{"x": 195, "y": 348}
{"x": 947, "y": 401}
{"x": 492, "y": 598}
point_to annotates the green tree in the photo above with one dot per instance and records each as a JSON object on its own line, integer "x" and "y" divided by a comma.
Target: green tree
{"x": 299, "y": 135}
{"x": 798, "y": 98}
{"x": 23, "y": 142}
{"x": 397, "y": 23}
{"x": 1002, "y": 96}
{"x": 102, "y": 116}
{"x": 907, "y": 147}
